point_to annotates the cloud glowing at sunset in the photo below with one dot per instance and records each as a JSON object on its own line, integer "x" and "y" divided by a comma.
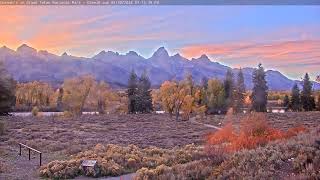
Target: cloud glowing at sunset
{"x": 280, "y": 37}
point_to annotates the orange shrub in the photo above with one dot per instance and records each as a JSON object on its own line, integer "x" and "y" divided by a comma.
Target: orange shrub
{"x": 254, "y": 132}
{"x": 224, "y": 135}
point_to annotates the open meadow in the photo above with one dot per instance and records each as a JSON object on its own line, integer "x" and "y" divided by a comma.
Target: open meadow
{"x": 141, "y": 138}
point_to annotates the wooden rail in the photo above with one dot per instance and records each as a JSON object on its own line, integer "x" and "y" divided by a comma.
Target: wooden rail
{"x": 29, "y": 149}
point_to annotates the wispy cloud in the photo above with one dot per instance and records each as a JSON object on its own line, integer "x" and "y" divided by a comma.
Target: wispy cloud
{"x": 286, "y": 55}
{"x": 286, "y": 38}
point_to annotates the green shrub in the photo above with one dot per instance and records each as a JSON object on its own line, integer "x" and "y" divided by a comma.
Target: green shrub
{"x": 35, "y": 111}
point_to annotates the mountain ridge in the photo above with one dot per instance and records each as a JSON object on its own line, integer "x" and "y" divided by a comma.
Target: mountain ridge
{"x": 28, "y": 64}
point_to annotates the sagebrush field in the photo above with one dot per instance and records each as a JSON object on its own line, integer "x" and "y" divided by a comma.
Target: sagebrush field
{"x": 153, "y": 146}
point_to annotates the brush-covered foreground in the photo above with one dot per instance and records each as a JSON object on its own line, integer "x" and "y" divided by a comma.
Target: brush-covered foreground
{"x": 60, "y": 137}
{"x": 298, "y": 157}
{"x": 115, "y": 160}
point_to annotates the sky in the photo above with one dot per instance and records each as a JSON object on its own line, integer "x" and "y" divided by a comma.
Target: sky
{"x": 284, "y": 38}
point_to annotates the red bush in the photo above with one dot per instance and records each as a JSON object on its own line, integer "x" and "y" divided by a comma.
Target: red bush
{"x": 224, "y": 135}
{"x": 254, "y": 132}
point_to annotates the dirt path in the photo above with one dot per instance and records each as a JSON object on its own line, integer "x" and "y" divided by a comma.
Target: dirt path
{"x": 19, "y": 166}
{"x": 193, "y": 120}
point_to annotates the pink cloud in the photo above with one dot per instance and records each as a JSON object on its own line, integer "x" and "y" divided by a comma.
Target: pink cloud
{"x": 293, "y": 57}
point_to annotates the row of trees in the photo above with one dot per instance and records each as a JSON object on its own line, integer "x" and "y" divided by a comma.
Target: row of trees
{"x": 33, "y": 94}
{"x": 211, "y": 96}
{"x": 73, "y": 96}
{"x": 185, "y": 97}
{"x": 139, "y": 94}
{"x": 303, "y": 100}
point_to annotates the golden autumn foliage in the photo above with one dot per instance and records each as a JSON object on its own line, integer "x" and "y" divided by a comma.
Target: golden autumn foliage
{"x": 166, "y": 97}
{"x": 76, "y": 91}
{"x": 34, "y": 94}
{"x": 254, "y": 131}
{"x": 187, "y": 106}
{"x": 178, "y": 98}
{"x": 101, "y": 97}
{"x": 84, "y": 92}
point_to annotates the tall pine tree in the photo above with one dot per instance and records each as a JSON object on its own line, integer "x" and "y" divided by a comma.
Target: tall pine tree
{"x": 259, "y": 95}
{"x": 286, "y": 102}
{"x": 229, "y": 88}
{"x": 295, "y": 103}
{"x": 7, "y": 91}
{"x": 240, "y": 92}
{"x": 307, "y": 100}
{"x": 132, "y": 92}
{"x": 144, "y": 98}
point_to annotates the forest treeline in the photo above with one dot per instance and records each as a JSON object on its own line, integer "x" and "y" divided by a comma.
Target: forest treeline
{"x": 177, "y": 98}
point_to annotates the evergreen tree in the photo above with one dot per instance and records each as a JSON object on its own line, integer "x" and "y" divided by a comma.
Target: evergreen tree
{"x": 132, "y": 92}
{"x": 203, "y": 91}
{"x": 144, "y": 98}
{"x": 295, "y": 103}
{"x": 286, "y": 102}
{"x": 240, "y": 92}
{"x": 59, "y": 100}
{"x": 229, "y": 88}
{"x": 7, "y": 91}
{"x": 260, "y": 90}
{"x": 307, "y": 100}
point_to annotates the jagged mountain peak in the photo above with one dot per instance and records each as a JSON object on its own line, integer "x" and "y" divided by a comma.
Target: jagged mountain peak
{"x": 112, "y": 53}
{"x": 5, "y": 48}
{"x": 102, "y": 52}
{"x": 106, "y": 54}
{"x": 23, "y": 45}
{"x": 132, "y": 53}
{"x": 161, "y": 52}
{"x": 24, "y": 49}
{"x": 65, "y": 54}
{"x": 204, "y": 57}
{"x": 177, "y": 55}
